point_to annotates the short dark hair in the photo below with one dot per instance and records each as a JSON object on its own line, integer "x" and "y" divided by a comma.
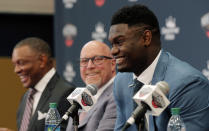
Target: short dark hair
{"x": 136, "y": 15}
{"x": 36, "y": 44}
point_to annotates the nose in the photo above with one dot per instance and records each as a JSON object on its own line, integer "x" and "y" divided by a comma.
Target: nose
{"x": 114, "y": 50}
{"x": 17, "y": 69}
{"x": 90, "y": 64}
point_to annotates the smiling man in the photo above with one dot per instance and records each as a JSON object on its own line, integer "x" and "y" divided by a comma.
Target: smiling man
{"x": 135, "y": 38}
{"x": 97, "y": 67}
{"x": 34, "y": 65}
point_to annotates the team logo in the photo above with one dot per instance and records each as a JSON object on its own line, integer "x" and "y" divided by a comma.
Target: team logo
{"x": 205, "y": 23}
{"x": 206, "y": 71}
{"x": 86, "y": 99}
{"x": 69, "y": 3}
{"x": 170, "y": 29}
{"x": 69, "y": 32}
{"x": 157, "y": 100}
{"x": 99, "y": 3}
{"x": 99, "y": 33}
{"x": 69, "y": 72}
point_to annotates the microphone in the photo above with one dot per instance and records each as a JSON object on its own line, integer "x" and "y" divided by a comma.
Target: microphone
{"x": 81, "y": 98}
{"x": 151, "y": 99}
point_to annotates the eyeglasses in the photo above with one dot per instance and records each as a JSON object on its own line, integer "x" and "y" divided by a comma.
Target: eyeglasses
{"x": 96, "y": 60}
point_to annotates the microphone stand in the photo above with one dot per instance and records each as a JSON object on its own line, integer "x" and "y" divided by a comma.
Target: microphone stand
{"x": 73, "y": 112}
{"x": 76, "y": 121}
{"x": 137, "y": 115}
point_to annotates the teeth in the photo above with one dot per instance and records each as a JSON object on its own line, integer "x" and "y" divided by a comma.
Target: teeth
{"x": 23, "y": 78}
{"x": 119, "y": 60}
{"x": 91, "y": 74}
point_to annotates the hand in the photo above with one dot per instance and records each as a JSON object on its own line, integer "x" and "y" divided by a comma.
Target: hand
{"x": 5, "y": 129}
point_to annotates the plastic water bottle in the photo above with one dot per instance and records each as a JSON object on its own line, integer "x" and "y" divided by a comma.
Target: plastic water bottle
{"x": 176, "y": 123}
{"x": 52, "y": 118}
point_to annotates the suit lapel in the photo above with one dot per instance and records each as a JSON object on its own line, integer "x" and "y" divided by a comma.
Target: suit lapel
{"x": 44, "y": 99}
{"x": 161, "y": 68}
{"x": 159, "y": 75}
{"x": 104, "y": 95}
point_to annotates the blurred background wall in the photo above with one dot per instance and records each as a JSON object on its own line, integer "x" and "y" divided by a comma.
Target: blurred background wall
{"x": 19, "y": 19}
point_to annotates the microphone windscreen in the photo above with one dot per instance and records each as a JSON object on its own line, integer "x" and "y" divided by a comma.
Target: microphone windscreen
{"x": 92, "y": 88}
{"x": 164, "y": 87}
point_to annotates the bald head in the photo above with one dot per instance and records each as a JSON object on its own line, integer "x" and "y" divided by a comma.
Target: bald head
{"x": 94, "y": 73}
{"x": 94, "y": 46}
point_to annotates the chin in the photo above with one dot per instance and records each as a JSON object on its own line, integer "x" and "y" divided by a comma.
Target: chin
{"x": 123, "y": 69}
{"x": 94, "y": 82}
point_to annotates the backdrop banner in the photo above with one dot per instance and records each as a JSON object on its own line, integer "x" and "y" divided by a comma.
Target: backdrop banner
{"x": 184, "y": 27}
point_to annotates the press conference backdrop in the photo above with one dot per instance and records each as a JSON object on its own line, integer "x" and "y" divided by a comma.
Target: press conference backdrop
{"x": 184, "y": 27}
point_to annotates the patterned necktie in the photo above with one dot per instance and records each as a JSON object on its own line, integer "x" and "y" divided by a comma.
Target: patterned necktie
{"x": 28, "y": 110}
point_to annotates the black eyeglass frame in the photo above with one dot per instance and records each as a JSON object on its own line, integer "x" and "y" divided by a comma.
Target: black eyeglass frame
{"x": 92, "y": 60}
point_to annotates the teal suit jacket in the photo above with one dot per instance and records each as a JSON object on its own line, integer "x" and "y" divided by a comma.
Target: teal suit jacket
{"x": 189, "y": 90}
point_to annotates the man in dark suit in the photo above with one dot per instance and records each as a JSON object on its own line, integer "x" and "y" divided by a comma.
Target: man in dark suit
{"x": 97, "y": 66}
{"x": 33, "y": 64}
{"x": 136, "y": 46}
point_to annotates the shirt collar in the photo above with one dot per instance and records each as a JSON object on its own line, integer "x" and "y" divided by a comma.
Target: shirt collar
{"x": 101, "y": 90}
{"x": 147, "y": 75}
{"x": 41, "y": 85}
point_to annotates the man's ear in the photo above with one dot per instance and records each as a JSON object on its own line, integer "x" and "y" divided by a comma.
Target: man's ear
{"x": 147, "y": 37}
{"x": 43, "y": 60}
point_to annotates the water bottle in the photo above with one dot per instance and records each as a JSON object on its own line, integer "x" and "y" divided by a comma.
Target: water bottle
{"x": 176, "y": 123}
{"x": 52, "y": 118}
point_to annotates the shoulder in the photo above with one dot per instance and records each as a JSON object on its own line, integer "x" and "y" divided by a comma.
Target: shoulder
{"x": 178, "y": 71}
{"x": 63, "y": 84}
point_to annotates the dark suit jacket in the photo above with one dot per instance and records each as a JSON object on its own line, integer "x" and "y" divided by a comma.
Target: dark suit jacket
{"x": 56, "y": 91}
{"x": 101, "y": 117}
{"x": 189, "y": 90}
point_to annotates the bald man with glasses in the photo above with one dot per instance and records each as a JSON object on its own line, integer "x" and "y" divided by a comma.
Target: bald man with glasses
{"x": 97, "y": 66}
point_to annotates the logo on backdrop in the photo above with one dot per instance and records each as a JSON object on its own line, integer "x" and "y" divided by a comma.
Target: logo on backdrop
{"x": 99, "y": 33}
{"x": 206, "y": 71}
{"x": 69, "y": 72}
{"x": 170, "y": 29}
{"x": 69, "y": 3}
{"x": 132, "y": 0}
{"x": 99, "y": 3}
{"x": 205, "y": 23}
{"x": 69, "y": 32}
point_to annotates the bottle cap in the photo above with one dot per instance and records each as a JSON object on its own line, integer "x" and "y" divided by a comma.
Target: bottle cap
{"x": 175, "y": 111}
{"x": 53, "y": 105}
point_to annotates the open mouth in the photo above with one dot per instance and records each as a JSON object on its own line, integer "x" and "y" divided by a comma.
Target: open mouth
{"x": 23, "y": 78}
{"x": 120, "y": 60}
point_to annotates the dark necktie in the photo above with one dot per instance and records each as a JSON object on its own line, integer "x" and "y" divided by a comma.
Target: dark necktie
{"x": 28, "y": 110}
{"x": 136, "y": 86}
{"x": 139, "y": 122}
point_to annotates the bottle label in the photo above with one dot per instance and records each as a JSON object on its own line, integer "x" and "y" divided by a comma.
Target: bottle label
{"x": 51, "y": 127}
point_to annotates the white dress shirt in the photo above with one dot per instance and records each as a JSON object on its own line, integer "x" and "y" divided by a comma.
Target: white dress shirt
{"x": 40, "y": 86}
{"x": 146, "y": 78}
{"x": 101, "y": 90}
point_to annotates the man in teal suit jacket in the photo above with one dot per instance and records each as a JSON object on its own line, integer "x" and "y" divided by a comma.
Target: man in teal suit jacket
{"x": 136, "y": 46}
